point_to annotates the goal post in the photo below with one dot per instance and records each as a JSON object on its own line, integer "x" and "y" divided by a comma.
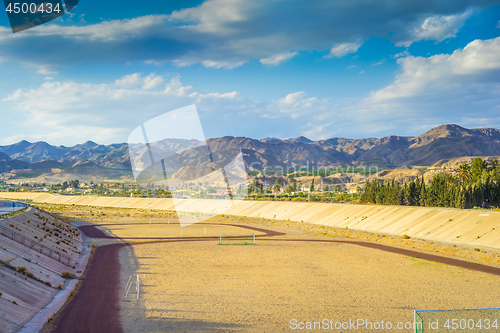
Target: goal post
{"x": 464, "y": 320}
{"x": 129, "y": 284}
{"x": 237, "y": 239}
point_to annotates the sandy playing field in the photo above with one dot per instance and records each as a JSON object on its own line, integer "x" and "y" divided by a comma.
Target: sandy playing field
{"x": 201, "y": 286}
{"x": 296, "y": 273}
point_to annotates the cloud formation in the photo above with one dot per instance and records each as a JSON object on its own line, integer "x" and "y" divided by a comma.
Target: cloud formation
{"x": 437, "y": 27}
{"x": 228, "y": 33}
{"x": 461, "y": 87}
{"x": 277, "y": 59}
{"x": 341, "y": 50}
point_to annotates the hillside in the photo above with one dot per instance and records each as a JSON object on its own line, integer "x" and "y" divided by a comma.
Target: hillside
{"x": 441, "y": 143}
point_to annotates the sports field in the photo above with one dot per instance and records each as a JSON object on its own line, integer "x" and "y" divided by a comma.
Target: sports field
{"x": 288, "y": 279}
{"x": 203, "y": 287}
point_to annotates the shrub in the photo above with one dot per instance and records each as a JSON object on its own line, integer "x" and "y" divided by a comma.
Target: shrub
{"x": 406, "y": 237}
{"x": 59, "y": 286}
{"x": 22, "y": 269}
{"x": 1, "y": 293}
{"x": 67, "y": 275}
{"x": 48, "y": 283}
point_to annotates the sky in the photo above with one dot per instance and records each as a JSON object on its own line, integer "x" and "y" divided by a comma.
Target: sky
{"x": 261, "y": 68}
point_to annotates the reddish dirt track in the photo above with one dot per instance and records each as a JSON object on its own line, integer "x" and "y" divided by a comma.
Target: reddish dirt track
{"x": 95, "y": 308}
{"x": 409, "y": 253}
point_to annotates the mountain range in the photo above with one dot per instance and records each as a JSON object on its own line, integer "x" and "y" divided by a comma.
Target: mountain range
{"x": 442, "y": 142}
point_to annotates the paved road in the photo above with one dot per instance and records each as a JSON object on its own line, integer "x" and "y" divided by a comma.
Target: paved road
{"x": 7, "y": 207}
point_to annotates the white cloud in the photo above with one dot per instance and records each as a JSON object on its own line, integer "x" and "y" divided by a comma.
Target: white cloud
{"x": 405, "y": 53}
{"x": 478, "y": 62}
{"x": 130, "y": 80}
{"x": 221, "y": 64}
{"x": 341, "y": 50}
{"x": 70, "y": 112}
{"x": 381, "y": 62}
{"x": 229, "y": 95}
{"x": 295, "y": 105}
{"x": 175, "y": 87}
{"x": 149, "y": 82}
{"x": 276, "y": 59}
{"x": 462, "y": 87}
{"x": 229, "y": 33}
{"x": 437, "y": 27}
{"x": 318, "y": 132}
{"x": 152, "y": 81}
{"x": 15, "y": 96}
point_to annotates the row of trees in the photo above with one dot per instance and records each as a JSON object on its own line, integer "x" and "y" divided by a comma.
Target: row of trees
{"x": 474, "y": 185}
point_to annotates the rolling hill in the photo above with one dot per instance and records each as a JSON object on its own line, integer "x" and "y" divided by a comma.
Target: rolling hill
{"x": 440, "y": 143}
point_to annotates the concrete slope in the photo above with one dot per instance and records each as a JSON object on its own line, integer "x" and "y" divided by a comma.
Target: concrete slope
{"x": 472, "y": 227}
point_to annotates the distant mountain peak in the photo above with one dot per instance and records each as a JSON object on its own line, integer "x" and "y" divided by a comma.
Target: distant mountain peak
{"x": 443, "y": 131}
{"x": 270, "y": 140}
{"x": 86, "y": 145}
{"x": 301, "y": 138}
{"x": 22, "y": 143}
{"x": 445, "y": 141}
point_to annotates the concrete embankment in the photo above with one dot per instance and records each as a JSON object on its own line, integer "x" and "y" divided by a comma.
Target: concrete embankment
{"x": 8, "y": 207}
{"x": 471, "y": 227}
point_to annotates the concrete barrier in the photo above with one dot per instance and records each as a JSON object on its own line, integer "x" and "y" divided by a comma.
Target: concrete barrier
{"x": 471, "y": 227}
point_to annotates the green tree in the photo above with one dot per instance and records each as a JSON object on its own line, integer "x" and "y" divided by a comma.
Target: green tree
{"x": 277, "y": 185}
{"x": 464, "y": 173}
{"x": 477, "y": 168}
{"x": 423, "y": 193}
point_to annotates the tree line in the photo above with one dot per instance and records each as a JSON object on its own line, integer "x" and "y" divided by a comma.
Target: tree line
{"x": 472, "y": 185}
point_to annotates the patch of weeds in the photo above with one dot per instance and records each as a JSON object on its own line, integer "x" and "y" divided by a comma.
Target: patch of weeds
{"x": 68, "y": 275}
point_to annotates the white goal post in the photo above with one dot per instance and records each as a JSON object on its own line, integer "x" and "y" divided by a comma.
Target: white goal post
{"x": 237, "y": 239}
{"x": 130, "y": 282}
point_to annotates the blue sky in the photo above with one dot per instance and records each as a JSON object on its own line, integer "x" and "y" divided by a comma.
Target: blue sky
{"x": 265, "y": 68}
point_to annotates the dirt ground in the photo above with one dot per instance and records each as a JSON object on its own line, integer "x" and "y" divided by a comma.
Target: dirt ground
{"x": 190, "y": 287}
{"x": 194, "y": 286}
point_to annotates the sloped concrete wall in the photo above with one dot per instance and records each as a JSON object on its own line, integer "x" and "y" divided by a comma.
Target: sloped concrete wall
{"x": 471, "y": 227}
